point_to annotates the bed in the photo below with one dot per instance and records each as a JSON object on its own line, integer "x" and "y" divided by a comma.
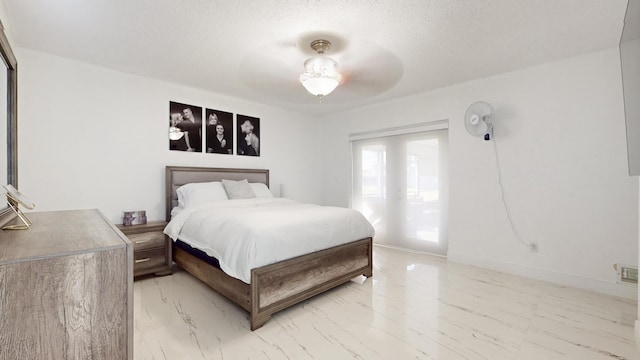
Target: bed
{"x": 272, "y": 287}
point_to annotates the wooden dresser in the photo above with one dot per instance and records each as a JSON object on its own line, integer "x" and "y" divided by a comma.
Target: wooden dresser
{"x": 66, "y": 289}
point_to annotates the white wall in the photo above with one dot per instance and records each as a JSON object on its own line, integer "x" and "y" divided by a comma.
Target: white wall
{"x": 630, "y": 59}
{"x": 560, "y": 135}
{"x": 91, "y": 137}
{"x": 6, "y": 23}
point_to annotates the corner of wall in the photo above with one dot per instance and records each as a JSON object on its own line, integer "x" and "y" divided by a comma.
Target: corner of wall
{"x": 636, "y": 333}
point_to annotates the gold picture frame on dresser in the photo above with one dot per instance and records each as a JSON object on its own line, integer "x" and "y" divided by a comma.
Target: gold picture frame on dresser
{"x": 14, "y": 199}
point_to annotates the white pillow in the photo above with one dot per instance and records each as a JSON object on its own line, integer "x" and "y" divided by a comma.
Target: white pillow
{"x": 195, "y": 194}
{"x": 238, "y": 189}
{"x": 261, "y": 190}
{"x": 175, "y": 211}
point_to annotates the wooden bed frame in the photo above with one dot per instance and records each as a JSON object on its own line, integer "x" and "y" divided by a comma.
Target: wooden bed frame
{"x": 277, "y": 286}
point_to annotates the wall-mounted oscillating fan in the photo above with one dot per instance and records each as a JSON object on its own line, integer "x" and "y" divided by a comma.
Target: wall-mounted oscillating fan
{"x": 478, "y": 119}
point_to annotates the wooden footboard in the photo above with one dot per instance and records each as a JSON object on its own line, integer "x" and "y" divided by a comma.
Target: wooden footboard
{"x": 276, "y": 287}
{"x": 280, "y": 285}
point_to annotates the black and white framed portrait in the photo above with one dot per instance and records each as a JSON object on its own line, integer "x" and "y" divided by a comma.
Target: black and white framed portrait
{"x": 218, "y": 131}
{"x": 248, "y": 130}
{"x": 185, "y": 127}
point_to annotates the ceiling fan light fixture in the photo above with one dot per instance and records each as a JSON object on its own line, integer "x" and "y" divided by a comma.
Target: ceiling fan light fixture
{"x": 321, "y": 74}
{"x": 320, "y": 86}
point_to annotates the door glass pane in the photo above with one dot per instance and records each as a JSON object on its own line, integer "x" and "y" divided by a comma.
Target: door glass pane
{"x": 422, "y": 190}
{"x": 400, "y": 185}
{"x": 374, "y": 187}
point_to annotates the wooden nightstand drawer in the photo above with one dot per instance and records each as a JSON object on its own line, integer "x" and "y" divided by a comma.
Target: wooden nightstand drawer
{"x": 147, "y": 240}
{"x": 151, "y": 248}
{"x": 148, "y": 259}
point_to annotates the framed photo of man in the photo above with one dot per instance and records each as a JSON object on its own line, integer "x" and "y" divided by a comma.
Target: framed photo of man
{"x": 248, "y": 130}
{"x": 218, "y": 131}
{"x": 185, "y": 127}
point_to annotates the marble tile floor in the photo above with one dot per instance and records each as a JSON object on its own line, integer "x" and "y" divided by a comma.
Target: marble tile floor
{"x": 415, "y": 307}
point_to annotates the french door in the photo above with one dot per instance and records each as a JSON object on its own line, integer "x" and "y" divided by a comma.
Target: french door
{"x": 400, "y": 185}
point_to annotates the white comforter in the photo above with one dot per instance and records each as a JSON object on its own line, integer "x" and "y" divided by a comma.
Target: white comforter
{"x": 250, "y": 233}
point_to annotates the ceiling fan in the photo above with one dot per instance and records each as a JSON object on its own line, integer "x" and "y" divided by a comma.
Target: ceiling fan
{"x": 285, "y": 68}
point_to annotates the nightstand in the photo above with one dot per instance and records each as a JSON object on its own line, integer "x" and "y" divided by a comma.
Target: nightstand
{"x": 151, "y": 248}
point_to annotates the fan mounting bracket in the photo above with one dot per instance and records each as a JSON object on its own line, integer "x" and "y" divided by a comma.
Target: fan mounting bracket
{"x": 320, "y": 45}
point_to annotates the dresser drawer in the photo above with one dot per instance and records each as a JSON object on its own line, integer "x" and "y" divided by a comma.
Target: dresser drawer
{"x": 149, "y": 259}
{"x": 147, "y": 240}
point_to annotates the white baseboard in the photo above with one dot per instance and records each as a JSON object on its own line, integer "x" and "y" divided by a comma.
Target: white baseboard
{"x": 616, "y": 289}
{"x": 409, "y": 250}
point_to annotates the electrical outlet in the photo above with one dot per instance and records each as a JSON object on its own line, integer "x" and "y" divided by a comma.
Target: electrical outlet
{"x": 533, "y": 247}
{"x": 626, "y": 273}
{"x": 629, "y": 274}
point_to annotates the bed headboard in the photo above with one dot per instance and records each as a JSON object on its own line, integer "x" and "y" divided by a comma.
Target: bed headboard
{"x": 177, "y": 176}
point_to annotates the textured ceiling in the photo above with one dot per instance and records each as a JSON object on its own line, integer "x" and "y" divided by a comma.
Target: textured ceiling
{"x": 254, "y": 50}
